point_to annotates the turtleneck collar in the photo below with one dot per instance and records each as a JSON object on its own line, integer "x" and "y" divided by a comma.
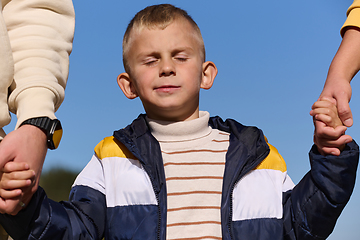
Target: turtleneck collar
{"x": 165, "y": 131}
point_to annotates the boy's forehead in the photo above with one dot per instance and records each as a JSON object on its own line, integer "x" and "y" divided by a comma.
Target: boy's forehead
{"x": 183, "y": 35}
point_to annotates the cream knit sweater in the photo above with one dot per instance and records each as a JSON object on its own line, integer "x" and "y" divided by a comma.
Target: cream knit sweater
{"x": 194, "y": 160}
{"x": 35, "y": 43}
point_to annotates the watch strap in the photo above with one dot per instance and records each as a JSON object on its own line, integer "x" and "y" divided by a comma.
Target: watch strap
{"x": 52, "y": 129}
{"x": 41, "y": 122}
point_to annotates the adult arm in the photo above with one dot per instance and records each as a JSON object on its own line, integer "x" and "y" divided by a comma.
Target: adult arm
{"x": 29, "y": 138}
{"x": 343, "y": 68}
{"x": 345, "y": 65}
{"x": 41, "y": 34}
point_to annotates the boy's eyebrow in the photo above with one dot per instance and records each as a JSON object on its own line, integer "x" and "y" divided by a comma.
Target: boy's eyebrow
{"x": 183, "y": 49}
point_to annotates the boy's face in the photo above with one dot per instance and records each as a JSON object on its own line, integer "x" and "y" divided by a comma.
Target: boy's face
{"x": 167, "y": 71}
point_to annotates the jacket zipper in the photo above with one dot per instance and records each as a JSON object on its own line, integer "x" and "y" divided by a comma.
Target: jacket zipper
{"x": 159, "y": 212}
{"x": 231, "y": 209}
{"x": 232, "y": 190}
{"x": 158, "y": 202}
{"x": 126, "y": 143}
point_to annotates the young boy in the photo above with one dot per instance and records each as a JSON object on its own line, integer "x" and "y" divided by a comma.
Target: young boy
{"x": 176, "y": 173}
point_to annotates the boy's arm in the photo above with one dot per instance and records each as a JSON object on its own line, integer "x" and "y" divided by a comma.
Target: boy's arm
{"x": 83, "y": 216}
{"x": 313, "y": 206}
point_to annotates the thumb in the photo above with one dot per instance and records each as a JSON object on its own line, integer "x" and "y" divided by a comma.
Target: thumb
{"x": 344, "y": 112}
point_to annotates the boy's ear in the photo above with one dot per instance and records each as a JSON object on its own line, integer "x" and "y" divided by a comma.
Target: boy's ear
{"x": 127, "y": 86}
{"x": 209, "y": 74}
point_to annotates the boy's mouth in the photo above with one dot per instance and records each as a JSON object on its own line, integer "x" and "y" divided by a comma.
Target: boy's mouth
{"x": 167, "y": 88}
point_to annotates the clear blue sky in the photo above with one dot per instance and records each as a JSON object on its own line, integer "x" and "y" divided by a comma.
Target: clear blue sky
{"x": 272, "y": 58}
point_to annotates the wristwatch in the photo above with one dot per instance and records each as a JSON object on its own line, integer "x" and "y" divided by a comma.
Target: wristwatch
{"x": 51, "y": 127}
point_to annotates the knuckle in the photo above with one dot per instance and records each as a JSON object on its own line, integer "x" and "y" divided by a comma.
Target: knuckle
{"x": 5, "y": 185}
{"x": 344, "y": 111}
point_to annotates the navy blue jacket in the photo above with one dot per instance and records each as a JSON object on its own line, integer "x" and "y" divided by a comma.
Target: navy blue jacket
{"x": 310, "y": 209}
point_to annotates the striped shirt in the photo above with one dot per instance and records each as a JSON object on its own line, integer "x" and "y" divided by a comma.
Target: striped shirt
{"x": 194, "y": 161}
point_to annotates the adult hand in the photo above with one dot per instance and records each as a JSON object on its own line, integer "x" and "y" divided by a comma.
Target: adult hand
{"x": 25, "y": 144}
{"x": 340, "y": 91}
{"x": 329, "y": 133}
{"x": 343, "y": 68}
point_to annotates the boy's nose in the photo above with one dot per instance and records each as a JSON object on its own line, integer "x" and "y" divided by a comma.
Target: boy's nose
{"x": 167, "y": 69}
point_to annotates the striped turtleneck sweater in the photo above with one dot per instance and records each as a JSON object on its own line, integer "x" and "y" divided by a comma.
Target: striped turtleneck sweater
{"x": 194, "y": 161}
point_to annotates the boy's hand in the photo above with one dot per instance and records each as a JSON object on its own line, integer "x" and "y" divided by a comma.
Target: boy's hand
{"x": 15, "y": 179}
{"x": 329, "y": 135}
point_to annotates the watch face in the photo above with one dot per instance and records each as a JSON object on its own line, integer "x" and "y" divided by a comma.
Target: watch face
{"x": 55, "y": 134}
{"x": 57, "y": 137}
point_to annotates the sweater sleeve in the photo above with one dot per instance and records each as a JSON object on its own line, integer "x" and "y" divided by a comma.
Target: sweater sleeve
{"x": 313, "y": 206}
{"x": 41, "y": 34}
{"x": 353, "y": 17}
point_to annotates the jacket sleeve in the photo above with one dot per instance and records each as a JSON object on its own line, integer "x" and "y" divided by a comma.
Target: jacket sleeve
{"x": 41, "y": 35}
{"x": 82, "y": 217}
{"x": 312, "y": 207}
{"x": 353, "y": 17}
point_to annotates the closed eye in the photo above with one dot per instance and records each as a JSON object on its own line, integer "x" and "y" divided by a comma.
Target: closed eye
{"x": 182, "y": 55}
{"x": 180, "y": 59}
{"x": 150, "y": 61}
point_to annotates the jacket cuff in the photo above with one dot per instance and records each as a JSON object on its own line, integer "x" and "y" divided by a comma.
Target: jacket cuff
{"x": 335, "y": 175}
{"x": 19, "y": 226}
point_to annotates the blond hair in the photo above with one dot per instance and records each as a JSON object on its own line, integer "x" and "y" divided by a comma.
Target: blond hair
{"x": 158, "y": 16}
